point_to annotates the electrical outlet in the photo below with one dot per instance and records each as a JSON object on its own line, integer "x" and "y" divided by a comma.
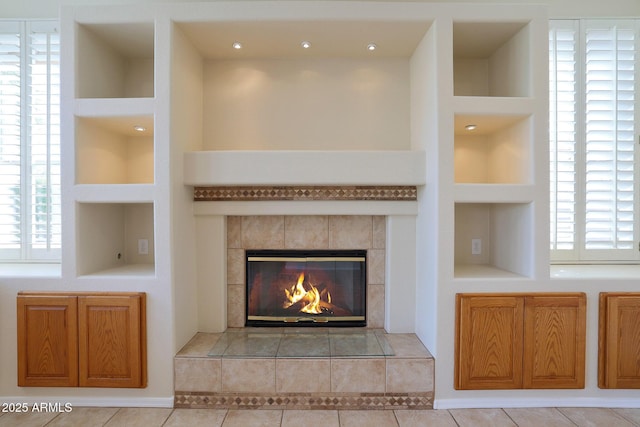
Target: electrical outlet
{"x": 143, "y": 247}
{"x": 476, "y": 246}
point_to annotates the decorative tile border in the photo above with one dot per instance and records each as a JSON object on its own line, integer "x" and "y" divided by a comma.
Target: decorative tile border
{"x": 268, "y": 193}
{"x": 360, "y": 401}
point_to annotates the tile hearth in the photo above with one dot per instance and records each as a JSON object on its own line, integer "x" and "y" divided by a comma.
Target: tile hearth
{"x": 299, "y": 368}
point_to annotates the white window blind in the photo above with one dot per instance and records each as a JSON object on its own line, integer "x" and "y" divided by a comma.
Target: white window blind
{"x": 30, "y": 219}
{"x": 594, "y": 185}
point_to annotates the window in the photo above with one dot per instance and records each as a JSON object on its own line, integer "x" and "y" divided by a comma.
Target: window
{"x": 593, "y": 75}
{"x": 29, "y": 141}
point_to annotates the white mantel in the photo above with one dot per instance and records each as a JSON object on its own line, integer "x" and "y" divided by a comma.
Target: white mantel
{"x": 304, "y": 167}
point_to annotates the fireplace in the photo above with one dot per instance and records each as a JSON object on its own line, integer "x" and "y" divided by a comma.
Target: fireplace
{"x": 306, "y": 288}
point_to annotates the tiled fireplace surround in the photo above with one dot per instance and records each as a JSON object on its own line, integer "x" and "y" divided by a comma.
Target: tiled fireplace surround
{"x": 404, "y": 380}
{"x": 305, "y": 232}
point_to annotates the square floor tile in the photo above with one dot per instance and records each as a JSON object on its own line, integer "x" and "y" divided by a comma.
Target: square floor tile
{"x": 595, "y": 417}
{"x": 482, "y": 418}
{"x": 426, "y": 418}
{"x": 310, "y": 418}
{"x": 252, "y": 418}
{"x": 196, "y": 417}
{"x": 367, "y": 419}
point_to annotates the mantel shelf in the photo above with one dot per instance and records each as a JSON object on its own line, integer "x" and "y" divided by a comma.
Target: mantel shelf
{"x": 204, "y": 168}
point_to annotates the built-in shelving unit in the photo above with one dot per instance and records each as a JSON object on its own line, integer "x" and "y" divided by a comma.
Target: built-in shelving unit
{"x": 275, "y": 113}
{"x": 115, "y": 60}
{"x": 492, "y": 149}
{"x": 114, "y": 150}
{"x": 497, "y": 139}
{"x": 115, "y": 238}
{"x": 493, "y": 240}
{"x": 114, "y": 110}
{"x": 491, "y": 58}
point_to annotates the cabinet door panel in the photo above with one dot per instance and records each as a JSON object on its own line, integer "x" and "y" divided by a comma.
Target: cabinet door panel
{"x": 110, "y": 341}
{"x": 47, "y": 341}
{"x": 554, "y": 341}
{"x": 619, "y": 358}
{"x": 489, "y": 342}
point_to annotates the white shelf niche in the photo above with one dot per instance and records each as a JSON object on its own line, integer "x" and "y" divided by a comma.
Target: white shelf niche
{"x": 491, "y": 59}
{"x": 115, "y": 60}
{"x": 500, "y": 234}
{"x": 497, "y": 151}
{"x": 114, "y": 150}
{"x": 112, "y": 238}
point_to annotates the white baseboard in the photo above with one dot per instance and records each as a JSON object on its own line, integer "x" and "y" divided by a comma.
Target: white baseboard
{"x": 122, "y": 402}
{"x": 578, "y": 402}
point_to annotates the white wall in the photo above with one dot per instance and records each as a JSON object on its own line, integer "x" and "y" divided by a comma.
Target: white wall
{"x": 317, "y": 104}
{"x": 557, "y": 8}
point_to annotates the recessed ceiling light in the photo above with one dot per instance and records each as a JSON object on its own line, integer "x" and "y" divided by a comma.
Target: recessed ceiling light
{"x": 305, "y": 44}
{"x": 470, "y": 127}
{"x": 237, "y": 45}
{"x": 372, "y": 46}
{"x": 139, "y": 128}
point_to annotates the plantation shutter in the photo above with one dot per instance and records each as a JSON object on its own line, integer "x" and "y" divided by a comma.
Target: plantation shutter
{"x": 44, "y": 221}
{"x": 563, "y": 129}
{"x": 610, "y": 185}
{"x": 30, "y": 204}
{"x": 593, "y": 143}
{"x": 10, "y": 140}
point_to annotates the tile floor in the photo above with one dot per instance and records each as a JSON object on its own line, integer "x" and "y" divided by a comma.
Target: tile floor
{"x": 151, "y": 417}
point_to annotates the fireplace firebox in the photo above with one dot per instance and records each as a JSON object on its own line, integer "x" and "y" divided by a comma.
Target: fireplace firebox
{"x": 306, "y": 287}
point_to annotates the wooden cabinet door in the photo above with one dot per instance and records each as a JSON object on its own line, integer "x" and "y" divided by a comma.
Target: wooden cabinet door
{"x": 619, "y": 340}
{"x": 112, "y": 348}
{"x": 554, "y": 341}
{"x": 47, "y": 341}
{"x": 488, "y": 352}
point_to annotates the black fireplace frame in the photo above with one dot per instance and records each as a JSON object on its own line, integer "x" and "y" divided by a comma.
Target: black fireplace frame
{"x": 307, "y": 321}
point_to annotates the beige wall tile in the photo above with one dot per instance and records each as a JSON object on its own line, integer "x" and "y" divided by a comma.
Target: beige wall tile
{"x": 235, "y": 306}
{"x": 263, "y": 232}
{"x": 249, "y": 375}
{"x": 234, "y": 232}
{"x": 375, "y": 306}
{"x": 376, "y": 267}
{"x": 358, "y": 375}
{"x": 235, "y": 266}
{"x": 409, "y": 375}
{"x": 350, "y": 232}
{"x": 379, "y": 232}
{"x": 306, "y": 232}
{"x": 197, "y": 374}
{"x": 303, "y": 375}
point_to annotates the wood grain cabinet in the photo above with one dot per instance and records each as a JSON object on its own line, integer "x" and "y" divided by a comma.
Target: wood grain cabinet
{"x": 81, "y": 339}
{"x": 514, "y": 341}
{"x": 619, "y": 340}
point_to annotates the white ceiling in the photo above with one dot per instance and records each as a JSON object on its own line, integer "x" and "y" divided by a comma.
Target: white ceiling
{"x": 282, "y": 39}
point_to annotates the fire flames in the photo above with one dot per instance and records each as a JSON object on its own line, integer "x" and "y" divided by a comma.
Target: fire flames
{"x": 311, "y": 301}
